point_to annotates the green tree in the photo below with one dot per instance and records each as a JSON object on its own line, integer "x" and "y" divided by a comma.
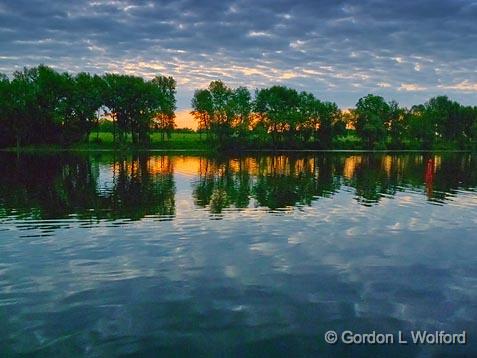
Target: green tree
{"x": 202, "y": 109}
{"x": 222, "y": 116}
{"x": 278, "y": 109}
{"x": 240, "y": 107}
{"x": 309, "y": 119}
{"x": 422, "y": 126}
{"x": 330, "y": 123}
{"x": 397, "y": 125}
{"x": 165, "y": 88}
{"x": 6, "y": 132}
{"x": 37, "y": 95}
{"x": 133, "y": 103}
{"x": 223, "y": 111}
{"x": 371, "y": 115}
{"x": 80, "y": 110}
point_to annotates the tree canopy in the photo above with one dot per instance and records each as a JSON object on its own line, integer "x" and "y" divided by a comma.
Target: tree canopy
{"x": 281, "y": 117}
{"x": 41, "y": 106}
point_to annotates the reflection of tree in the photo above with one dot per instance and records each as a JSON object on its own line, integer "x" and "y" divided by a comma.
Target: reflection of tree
{"x": 374, "y": 177}
{"x": 283, "y": 182}
{"x": 274, "y": 181}
{"x": 219, "y": 186}
{"x": 51, "y": 186}
{"x": 58, "y": 186}
{"x": 451, "y": 172}
{"x": 429, "y": 176}
{"x": 288, "y": 181}
{"x": 142, "y": 187}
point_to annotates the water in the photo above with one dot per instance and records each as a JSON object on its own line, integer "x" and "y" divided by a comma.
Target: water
{"x": 246, "y": 256}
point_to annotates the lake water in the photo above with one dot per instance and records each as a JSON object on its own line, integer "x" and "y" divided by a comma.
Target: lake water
{"x": 256, "y": 255}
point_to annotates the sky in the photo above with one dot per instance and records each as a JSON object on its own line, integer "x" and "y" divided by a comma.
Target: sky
{"x": 340, "y": 51}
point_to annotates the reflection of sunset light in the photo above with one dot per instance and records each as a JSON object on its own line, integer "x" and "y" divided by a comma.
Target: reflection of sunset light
{"x": 350, "y": 165}
{"x": 188, "y": 166}
{"x": 159, "y": 165}
{"x": 437, "y": 163}
{"x": 387, "y": 164}
{"x": 429, "y": 177}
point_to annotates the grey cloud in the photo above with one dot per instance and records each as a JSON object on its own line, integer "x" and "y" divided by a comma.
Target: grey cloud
{"x": 338, "y": 50}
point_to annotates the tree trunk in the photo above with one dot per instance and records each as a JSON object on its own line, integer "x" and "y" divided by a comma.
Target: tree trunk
{"x": 97, "y": 129}
{"x": 114, "y": 131}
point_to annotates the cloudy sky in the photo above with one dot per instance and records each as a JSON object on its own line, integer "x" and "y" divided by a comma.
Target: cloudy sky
{"x": 406, "y": 50}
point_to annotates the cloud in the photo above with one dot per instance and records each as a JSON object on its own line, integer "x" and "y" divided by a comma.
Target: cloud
{"x": 405, "y": 50}
{"x": 464, "y": 86}
{"x": 411, "y": 87}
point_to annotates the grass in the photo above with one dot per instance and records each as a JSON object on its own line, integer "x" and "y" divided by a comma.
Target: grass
{"x": 177, "y": 141}
{"x": 194, "y": 142}
{"x": 349, "y": 141}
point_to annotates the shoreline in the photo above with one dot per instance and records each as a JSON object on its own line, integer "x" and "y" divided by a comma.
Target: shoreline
{"x": 27, "y": 150}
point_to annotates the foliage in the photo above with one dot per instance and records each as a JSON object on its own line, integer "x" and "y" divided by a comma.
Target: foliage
{"x": 372, "y": 113}
{"x": 41, "y": 106}
{"x": 165, "y": 88}
{"x": 223, "y": 112}
{"x": 281, "y": 117}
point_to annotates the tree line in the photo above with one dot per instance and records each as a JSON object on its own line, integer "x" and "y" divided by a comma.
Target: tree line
{"x": 42, "y": 106}
{"x": 282, "y": 117}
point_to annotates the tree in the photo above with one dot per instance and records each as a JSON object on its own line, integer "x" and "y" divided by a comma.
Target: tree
{"x": 372, "y": 113}
{"x": 445, "y": 115}
{"x": 6, "y": 132}
{"x": 222, "y": 115}
{"x": 330, "y": 123}
{"x": 422, "y": 127}
{"x": 81, "y": 106}
{"x": 115, "y": 98}
{"x": 133, "y": 103}
{"x": 165, "y": 88}
{"x": 41, "y": 106}
{"x": 37, "y": 95}
{"x": 223, "y": 111}
{"x": 202, "y": 109}
{"x": 309, "y": 119}
{"x": 278, "y": 108}
{"x": 397, "y": 125}
{"x": 240, "y": 108}
{"x": 473, "y": 131}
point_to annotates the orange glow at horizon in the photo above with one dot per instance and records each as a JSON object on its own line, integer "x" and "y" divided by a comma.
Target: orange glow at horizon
{"x": 185, "y": 120}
